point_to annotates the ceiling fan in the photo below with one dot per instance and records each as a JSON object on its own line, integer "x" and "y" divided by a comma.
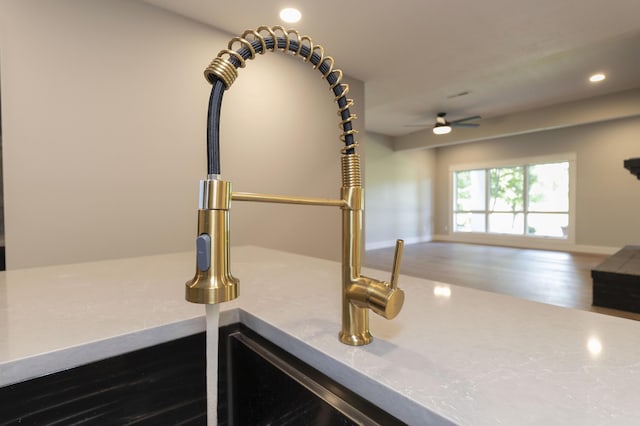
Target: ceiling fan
{"x": 443, "y": 126}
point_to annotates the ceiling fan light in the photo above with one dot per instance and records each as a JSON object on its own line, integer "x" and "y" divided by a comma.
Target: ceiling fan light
{"x": 441, "y": 129}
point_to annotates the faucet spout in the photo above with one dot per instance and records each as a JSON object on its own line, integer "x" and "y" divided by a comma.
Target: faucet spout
{"x": 213, "y": 283}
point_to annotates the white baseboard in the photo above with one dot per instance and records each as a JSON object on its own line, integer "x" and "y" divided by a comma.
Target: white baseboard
{"x": 392, "y": 243}
{"x": 543, "y": 244}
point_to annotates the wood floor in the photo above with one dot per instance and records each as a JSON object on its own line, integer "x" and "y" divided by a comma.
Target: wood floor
{"x": 553, "y": 277}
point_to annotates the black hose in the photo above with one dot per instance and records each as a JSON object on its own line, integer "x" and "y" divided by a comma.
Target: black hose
{"x": 215, "y": 100}
{"x": 213, "y": 128}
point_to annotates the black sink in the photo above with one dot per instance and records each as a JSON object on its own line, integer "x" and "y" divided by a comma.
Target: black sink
{"x": 258, "y": 384}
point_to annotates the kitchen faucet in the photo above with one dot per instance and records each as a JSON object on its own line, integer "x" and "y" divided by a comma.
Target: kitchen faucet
{"x": 213, "y": 282}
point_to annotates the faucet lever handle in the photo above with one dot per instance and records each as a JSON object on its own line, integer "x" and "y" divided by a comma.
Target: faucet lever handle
{"x": 397, "y": 257}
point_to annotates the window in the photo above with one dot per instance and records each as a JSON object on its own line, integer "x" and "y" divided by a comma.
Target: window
{"x": 530, "y": 199}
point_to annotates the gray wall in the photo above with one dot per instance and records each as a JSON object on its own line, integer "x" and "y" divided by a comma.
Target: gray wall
{"x": 104, "y": 116}
{"x": 607, "y": 198}
{"x": 399, "y": 189}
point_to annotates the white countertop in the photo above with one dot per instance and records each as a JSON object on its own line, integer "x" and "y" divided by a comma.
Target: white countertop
{"x": 471, "y": 358}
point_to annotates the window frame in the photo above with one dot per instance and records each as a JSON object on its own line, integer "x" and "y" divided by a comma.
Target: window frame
{"x": 478, "y": 236}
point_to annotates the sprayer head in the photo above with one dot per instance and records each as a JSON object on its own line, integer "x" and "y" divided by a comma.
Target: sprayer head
{"x": 213, "y": 282}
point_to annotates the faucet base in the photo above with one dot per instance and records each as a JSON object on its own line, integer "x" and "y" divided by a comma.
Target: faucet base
{"x": 356, "y": 339}
{"x": 355, "y": 325}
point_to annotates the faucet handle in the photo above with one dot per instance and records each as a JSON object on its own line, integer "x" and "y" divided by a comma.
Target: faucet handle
{"x": 397, "y": 257}
{"x": 382, "y": 297}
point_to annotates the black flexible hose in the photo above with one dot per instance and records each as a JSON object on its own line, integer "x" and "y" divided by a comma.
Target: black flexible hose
{"x": 213, "y": 128}
{"x": 215, "y": 100}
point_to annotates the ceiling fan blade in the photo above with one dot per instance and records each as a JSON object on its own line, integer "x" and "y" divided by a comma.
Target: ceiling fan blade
{"x": 458, "y": 124}
{"x": 442, "y": 121}
{"x": 460, "y": 120}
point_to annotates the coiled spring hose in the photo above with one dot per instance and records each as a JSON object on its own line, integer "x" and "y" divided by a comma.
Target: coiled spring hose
{"x": 223, "y": 71}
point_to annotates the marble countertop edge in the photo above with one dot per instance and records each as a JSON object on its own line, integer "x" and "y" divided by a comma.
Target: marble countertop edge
{"x": 41, "y": 364}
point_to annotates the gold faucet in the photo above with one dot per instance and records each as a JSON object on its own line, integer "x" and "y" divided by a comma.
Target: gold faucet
{"x": 213, "y": 282}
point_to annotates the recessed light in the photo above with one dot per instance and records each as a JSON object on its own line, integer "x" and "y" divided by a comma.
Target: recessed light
{"x": 290, "y": 15}
{"x": 597, "y": 77}
{"x": 442, "y": 291}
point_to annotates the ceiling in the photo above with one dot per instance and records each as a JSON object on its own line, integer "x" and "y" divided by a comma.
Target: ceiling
{"x": 417, "y": 55}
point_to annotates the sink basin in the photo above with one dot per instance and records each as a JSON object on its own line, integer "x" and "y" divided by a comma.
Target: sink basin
{"x": 258, "y": 384}
{"x": 266, "y": 385}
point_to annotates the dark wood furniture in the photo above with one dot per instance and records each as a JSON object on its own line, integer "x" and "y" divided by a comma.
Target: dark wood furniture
{"x": 633, "y": 165}
{"x": 616, "y": 281}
